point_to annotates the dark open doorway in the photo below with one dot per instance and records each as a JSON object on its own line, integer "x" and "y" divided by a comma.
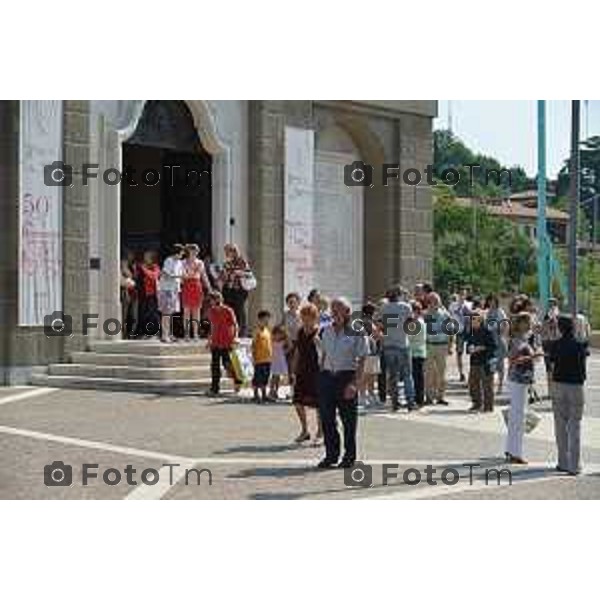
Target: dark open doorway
{"x": 166, "y": 191}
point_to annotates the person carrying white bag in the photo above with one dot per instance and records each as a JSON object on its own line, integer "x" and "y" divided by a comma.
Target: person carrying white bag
{"x": 521, "y": 356}
{"x": 221, "y": 341}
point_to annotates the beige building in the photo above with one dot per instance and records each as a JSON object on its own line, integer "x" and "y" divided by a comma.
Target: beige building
{"x": 274, "y": 185}
{"x": 521, "y": 209}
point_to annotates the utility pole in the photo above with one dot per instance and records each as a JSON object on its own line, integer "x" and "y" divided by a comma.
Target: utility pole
{"x": 594, "y": 223}
{"x": 542, "y": 246}
{"x": 574, "y": 204}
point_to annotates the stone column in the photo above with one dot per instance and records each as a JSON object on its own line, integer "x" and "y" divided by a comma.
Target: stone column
{"x": 76, "y": 230}
{"x": 107, "y": 211}
{"x": 266, "y": 200}
{"x": 416, "y": 218}
{"x": 9, "y": 160}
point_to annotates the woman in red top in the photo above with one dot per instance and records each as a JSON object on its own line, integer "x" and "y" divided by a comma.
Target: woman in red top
{"x": 149, "y": 272}
{"x": 195, "y": 281}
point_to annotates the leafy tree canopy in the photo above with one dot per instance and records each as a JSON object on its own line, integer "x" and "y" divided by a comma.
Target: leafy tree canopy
{"x": 449, "y": 152}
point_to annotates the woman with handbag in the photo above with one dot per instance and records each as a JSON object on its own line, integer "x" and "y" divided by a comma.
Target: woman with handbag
{"x": 520, "y": 376}
{"x": 236, "y": 281}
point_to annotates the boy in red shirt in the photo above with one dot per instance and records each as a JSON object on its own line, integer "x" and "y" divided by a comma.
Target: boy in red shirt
{"x": 223, "y": 333}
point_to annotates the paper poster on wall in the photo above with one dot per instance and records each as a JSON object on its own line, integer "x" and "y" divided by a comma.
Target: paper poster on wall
{"x": 299, "y": 208}
{"x": 40, "y": 211}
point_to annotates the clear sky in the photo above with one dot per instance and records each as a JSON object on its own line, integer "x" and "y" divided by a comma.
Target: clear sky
{"x": 507, "y": 129}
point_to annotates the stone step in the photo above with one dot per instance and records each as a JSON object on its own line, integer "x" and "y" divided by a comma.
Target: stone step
{"x": 176, "y": 373}
{"x": 158, "y": 386}
{"x": 148, "y": 348}
{"x": 153, "y": 347}
{"x": 141, "y": 360}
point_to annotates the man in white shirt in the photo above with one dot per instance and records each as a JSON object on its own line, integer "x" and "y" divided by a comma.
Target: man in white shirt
{"x": 342, "y": 357}
{"x": 169, "y": 285}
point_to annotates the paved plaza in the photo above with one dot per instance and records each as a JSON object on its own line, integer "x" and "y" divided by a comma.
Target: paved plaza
{"x": 249, "y": 452}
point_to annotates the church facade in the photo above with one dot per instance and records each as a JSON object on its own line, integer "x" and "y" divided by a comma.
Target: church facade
{"x": 84, "y": 182}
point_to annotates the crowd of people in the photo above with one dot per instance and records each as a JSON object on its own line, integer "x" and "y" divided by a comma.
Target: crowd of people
{"x": 172, "y": 299}
{"x": 336, "y": 360}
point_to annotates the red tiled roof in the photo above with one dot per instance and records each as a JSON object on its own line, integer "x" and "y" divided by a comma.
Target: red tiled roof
{"x": 514, "y": 210}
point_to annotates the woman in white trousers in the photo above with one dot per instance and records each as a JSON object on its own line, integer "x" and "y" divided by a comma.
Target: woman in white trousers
{"x": 520, "y": 376}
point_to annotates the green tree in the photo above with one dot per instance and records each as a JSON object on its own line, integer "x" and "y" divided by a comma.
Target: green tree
{"x": 494, "y": 260}
{"x": 449, "y": 152}
{"x": 589, "y": 158}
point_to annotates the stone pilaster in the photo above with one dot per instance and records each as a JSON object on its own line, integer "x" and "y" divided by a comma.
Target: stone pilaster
{"x": 266, "y": 200}
{"x": 76, "y": 210}
{"x": 416, "y": 218}
{"x": 9, "y": 160}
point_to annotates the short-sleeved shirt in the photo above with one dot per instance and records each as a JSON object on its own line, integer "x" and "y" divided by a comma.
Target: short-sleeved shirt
{"x": 292, "y": 324}
{"x": 342, "y": 350}
{"x": 262, "y": 348}
{"x": 435, "y": 322}
{"x": 222, "y": 326}
{"x": 228, "y": 272}
{"x": 460, "y": 311}
{"x": 418, "y": 341}
{"x": 170, "y": 277}
{"x": 568, "y": 358}
{"x": 496, "y": 319}
{"x": 149, "y": 275}
{"x": 520, "y": 372}
{"x": 393, "y": 316}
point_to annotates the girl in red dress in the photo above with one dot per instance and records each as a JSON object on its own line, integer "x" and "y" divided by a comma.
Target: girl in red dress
{"x": 195, "y": 282}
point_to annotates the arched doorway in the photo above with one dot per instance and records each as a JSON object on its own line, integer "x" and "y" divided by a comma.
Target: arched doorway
{"x": 166, "y": 192}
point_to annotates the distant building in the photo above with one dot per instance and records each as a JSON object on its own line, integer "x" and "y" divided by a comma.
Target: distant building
{"x": 521, "y": 209}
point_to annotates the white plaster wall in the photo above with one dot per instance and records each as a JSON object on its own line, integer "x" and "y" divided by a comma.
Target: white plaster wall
{"x": 231, "y": 119}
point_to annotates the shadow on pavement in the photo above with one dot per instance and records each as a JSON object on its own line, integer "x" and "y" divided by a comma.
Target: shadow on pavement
{"x": 252, "y": 449}
{"x": 275, "y": 472}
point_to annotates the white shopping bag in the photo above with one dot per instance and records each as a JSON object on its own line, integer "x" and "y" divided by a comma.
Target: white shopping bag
{"x": 532, "y": 419}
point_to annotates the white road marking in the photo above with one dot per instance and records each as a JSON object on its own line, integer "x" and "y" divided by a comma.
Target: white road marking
{"x": 218, "y": 460}
{"x": 425, "y": 491}
{"x": 27, "y": 394}
{"x": 168, "y": 477}
{"x": 60, "y": 439}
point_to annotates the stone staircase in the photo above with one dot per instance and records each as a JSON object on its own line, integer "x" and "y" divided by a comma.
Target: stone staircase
{"x": 134, "y": 366}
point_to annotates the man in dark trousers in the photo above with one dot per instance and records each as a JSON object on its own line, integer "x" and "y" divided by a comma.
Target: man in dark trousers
{"x": 343, "y": 352}
{"x": 482, "y": 346}
{"x": 567, "y": 358}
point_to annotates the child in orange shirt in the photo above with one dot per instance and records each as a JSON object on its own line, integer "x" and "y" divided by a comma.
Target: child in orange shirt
{"x": 262, "y": 355}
